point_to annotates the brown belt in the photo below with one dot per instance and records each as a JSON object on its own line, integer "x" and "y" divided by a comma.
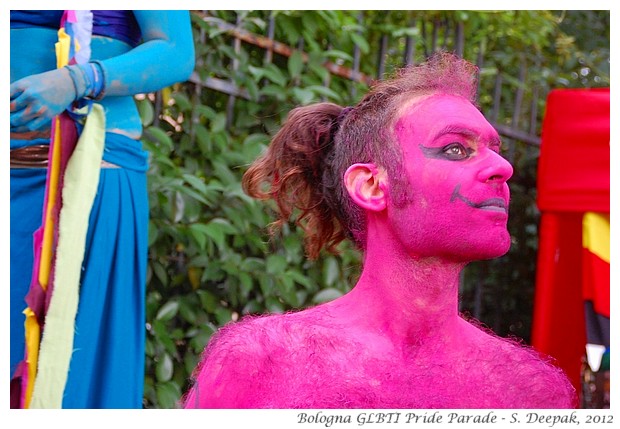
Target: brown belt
{"x": 34, "y": 156}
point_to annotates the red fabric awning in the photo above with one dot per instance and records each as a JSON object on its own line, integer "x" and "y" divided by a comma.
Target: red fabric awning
{"x": 573, "y": 179}
{"x": 573, "y": 169}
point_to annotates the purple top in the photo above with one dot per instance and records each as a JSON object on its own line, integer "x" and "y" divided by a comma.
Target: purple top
{"x": 117, "y": 24}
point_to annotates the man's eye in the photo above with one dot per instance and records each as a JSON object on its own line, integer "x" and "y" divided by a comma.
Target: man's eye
{"x": 456, "y": 152}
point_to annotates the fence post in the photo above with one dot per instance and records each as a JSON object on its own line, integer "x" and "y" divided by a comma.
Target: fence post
{"x": 383, "y": 46}
{"x": 230, "y": 105}
{"x": 410, "y": 41}
{"x": 357, "y": 55}
{"x": 460, "y": 38}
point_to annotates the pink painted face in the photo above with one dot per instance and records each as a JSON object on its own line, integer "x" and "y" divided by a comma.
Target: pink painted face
{"x": 458, "y": 196}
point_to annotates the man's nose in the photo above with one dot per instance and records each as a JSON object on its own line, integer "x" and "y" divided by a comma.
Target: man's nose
{"x": 495, "y": 169}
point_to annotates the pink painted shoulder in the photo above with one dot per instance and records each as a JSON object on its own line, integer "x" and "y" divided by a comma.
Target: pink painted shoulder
{"x": 259, "y": 362}
{"x": 232, "y": 367}
{"x": 524, "y": 378}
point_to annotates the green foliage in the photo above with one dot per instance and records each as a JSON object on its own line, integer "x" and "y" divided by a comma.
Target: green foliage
{"x": 211, "y": 260}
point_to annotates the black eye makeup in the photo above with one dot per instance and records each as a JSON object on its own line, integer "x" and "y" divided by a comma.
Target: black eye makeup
{"x": 451, "y": 152}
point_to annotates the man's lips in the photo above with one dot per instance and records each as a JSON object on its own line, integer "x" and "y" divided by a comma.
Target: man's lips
{"x": 495, "y": 204}
{"x": 492, "y": 204}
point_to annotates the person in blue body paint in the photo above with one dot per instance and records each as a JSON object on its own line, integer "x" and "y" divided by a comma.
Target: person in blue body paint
{"x": 133, "y": 52}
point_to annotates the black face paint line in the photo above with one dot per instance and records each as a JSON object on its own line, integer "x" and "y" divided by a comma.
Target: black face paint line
{"x": 496, "y": 204}
{"x": 456, "y": 194}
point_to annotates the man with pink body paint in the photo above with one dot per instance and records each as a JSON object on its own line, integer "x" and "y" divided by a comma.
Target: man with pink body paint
{"x": 414, "y": 176}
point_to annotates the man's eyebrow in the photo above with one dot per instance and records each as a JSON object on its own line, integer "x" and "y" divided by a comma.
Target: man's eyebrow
{"x": 466, "y": 132}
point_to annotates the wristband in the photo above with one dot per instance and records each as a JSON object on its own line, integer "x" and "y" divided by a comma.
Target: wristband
{"x": 88, "y": 80}
{"x": 98, "y": 71}
{"x": 79, "y": 81}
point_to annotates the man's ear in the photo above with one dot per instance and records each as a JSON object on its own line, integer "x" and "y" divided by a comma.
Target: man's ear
{"x": 367, "y": 185}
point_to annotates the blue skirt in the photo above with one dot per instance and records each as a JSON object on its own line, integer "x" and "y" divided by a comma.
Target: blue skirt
{"x": 107, "y": 364}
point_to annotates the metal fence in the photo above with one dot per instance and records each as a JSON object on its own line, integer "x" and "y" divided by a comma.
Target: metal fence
{"x": 517, "y": 122}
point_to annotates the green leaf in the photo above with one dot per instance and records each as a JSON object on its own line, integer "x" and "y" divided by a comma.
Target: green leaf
{"x": 331, "y": 271}
{"x": 203, "y": 137}
{"x": 181, "y": 196}
{"x": 201, "y": 338}
{"x": 257, "y": 72}
{"x": 361, "y": 42}
{"x": 247, "y": 284}
{"x": 333, "y": 53}
{"x": 167, "y": 311}
{"x": 164, "y": 368}
{"x": 273, "y": 305}
{"x": 228, "y": 51}
{"x": 146, "y": 111}
{"x": 195, "y": 182}
{"x": 274, "y": 74}
{"x": 224, "y": 225}
{"x": 251, "y": 264}
{"x": 287, "y": 290}
{"x": 191, "y": 362}
{"x": 153, "y": 233}
{"x": 160, "y": 272}
{"x": 168, "y": 394}
{"x": 221, "y": 171}
{"x": 208, "y": 300}
{"x": 304, "y": 96}
{"x": 326, "y": 295}
{"x": 289, "y": 28}
{"x": 182, "y": 101}
{"x": 149, "y": 347}
{"x": 274, "y": 91}
{"x": 276, "y": 264}
{"x": 219, "y": 123}
{"x": 200, "y": 232}
{"x": 407, "y": 31}
{"x": 317, "y": 67}
{"x": 266, "y": 284}
{"x": 300, "y": 278}
{"x": 162, "y": 334}
{"x": 295, "y": 64}
{"x": 205, "y": 111}
{"x": 158, "y": 135}
{"x": 216, "y": 233}
{"x": 187, "y": 310}
{"x": 222, "y": 315}
{"x": 327, "y": 92}
{"x": 253, "y": 307}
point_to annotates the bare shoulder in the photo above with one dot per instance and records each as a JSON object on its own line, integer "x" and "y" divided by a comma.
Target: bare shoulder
{"x": 246, "y": 363}
{"x": 525, "y": 376}
{"x": 233, "y": 356}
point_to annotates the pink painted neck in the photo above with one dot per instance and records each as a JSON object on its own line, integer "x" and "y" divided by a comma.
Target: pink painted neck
{"x": 404, "y": 296}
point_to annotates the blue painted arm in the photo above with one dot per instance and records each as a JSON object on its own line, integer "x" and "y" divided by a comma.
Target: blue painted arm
{"x": 166, "y": 56}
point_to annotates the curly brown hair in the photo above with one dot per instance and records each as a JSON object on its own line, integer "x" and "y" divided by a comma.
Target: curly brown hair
{"x": 303, "y": 167}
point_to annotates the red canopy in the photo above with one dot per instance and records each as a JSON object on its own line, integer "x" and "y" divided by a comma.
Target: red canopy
{"x": 573, "y": 179}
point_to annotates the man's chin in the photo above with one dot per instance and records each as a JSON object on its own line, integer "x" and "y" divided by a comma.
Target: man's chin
{"x": 485, "y": 251}
{"x": 495, "y": 251}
